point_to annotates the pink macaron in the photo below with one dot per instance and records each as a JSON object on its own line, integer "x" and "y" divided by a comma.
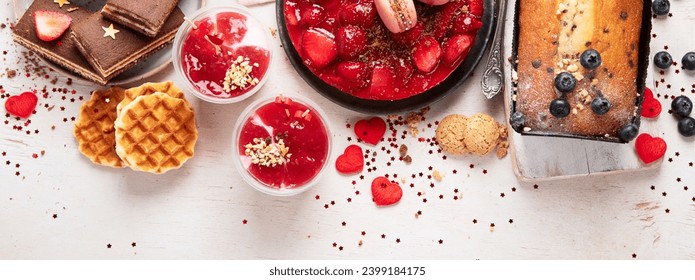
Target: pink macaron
{"x": 435, "y": 2}
{"x": 397, "y": 15}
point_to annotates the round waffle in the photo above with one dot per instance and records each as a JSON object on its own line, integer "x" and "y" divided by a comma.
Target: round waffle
{"x": 156, "y": 133}
{"x": 94, "y": 128}
{"x": 167, "y": 87}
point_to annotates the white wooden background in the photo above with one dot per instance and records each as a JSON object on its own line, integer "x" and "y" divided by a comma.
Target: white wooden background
{"x": 60, "y": 206}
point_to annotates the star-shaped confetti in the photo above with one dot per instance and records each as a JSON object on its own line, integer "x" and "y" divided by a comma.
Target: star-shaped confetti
{"x": 61, "y": 2}
{"x": 110, "y": 31}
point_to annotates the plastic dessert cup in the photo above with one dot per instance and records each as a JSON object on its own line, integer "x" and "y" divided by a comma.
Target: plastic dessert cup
{"x": 282, "y": 145}
{"x": 223, "y": 54}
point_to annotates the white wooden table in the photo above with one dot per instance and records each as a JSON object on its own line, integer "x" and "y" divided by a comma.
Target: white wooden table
{"x": 60, "y": 206}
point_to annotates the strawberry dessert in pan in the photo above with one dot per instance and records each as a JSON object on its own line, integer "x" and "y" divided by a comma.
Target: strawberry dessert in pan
{"x": 384, "y": 55}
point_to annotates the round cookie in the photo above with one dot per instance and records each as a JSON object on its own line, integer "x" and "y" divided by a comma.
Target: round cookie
{"x": 450, "y": 134}
{"x": 481, "y": 135}
{"x": 94, "y": 129}
{"x": 156, "y": 133}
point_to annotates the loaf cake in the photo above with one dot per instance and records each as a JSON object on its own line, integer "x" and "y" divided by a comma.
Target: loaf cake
{"x": 579, "y": 68}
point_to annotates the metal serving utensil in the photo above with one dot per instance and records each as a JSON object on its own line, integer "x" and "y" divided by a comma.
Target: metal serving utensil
{"x": 493, "y": 77}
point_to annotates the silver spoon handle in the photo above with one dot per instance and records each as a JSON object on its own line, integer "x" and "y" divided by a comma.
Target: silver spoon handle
{"x": 493, "y": 77}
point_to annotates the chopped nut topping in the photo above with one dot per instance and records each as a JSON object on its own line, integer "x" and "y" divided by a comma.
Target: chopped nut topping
{"x": 238, "y": 75}
{"x": 264, "y": 152}
{"x": 572, "y": 68}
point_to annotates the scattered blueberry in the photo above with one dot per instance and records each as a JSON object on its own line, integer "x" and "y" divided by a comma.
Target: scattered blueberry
{"x": 590, "y": 59}
{"x": 600, "y": 105}
{"x": 661, "y": 7}
{"x": 565, "y": 82}
{"x": 517, "y": 121}
{"x": 682, "y": 106}
{"x": 629, "y": 132}
{"x": 686, "y": 127}
{"x": 560, "y": 108}
{"x": 689, "y": 61}
{"x": 663, "y": 60}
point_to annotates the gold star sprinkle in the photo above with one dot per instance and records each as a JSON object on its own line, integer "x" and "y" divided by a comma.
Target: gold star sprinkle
{"x": 110, "y": 31}
{"x": 61, "y": 2}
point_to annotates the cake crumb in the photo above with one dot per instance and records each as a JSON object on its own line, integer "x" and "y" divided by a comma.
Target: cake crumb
{"x": 403, "y": 150}
{"x": 502, "y": 149}
{"x": 407, "y": 159}
{"x": 437, "y": 176}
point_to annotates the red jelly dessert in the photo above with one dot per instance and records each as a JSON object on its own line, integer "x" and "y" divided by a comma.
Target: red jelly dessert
{"x": 346, "y": 45}
{"x": 224, "y": 54}
{"x": 283, "y": 143}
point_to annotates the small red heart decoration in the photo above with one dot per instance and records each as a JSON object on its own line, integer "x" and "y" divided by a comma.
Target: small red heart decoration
{"x": 351, "y": 161}
{"x": 649, "y": 149}
{"x": 385, "y": 192}
{"x": 651, "y": 107}
{"x": 370, "y": 131}
{"x": 21, "y": 105}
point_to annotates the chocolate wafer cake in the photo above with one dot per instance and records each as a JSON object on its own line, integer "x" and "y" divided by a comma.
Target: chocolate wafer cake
{"x": 580, "y": 68}
{"x": 146, "y": 17}
{"x": 62, "y": 51}
{"x": 111, "y": 48}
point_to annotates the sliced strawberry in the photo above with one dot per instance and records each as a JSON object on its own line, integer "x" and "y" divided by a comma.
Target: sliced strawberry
{"x": 319, "y": 46}
{"x": 427, "y": 54}
{"x": 381, "y": 86}
{"x": 457, "y": 48}
{"x": 354, "y": 72}
{"x": 291, "y": 13}
{"x": 445, "y": 17}
{"x": 361, "y": 14}
{"x": 51, "y": 25}
{"x": 465, "y": 23}
{"x": 404, "y": 70}
{"x": 312, "y": 15}
{"x": 409, "y": 37}
{"x": 351, "y": 40}
{"x": 475, "y": 7}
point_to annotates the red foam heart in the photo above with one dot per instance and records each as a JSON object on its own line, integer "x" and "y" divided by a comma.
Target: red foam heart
{"x": 651, "y": 107}
{"x": 385, "y": 192}
{"x": 649, "y": 149}
{"x": 370, "y": 131}
{"x": 21, "y": 105}
{"x": 351, "y": 161}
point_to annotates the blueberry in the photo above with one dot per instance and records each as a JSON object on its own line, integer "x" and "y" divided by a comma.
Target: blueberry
{"x": 600, "y": 105}
{"x": 565, "y": 82}
{"x": 517, "y": 121}
{"x": 661, "y": 7}
{"x": 689, "y": 61}
{"x": 686, "y": 127}
{"x": 629, "y": 132}
{"x": 560, "y": 108}
{"x": 663, "y": 60}
{"x": 681, "y": 106}
{"x": 590, "y": 59}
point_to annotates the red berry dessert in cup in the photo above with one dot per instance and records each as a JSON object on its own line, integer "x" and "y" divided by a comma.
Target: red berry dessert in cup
{"x": 283, "y": 145}
{"x": 223, "y": 54}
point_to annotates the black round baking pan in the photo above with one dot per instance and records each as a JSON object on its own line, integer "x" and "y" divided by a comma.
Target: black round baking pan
{"x": 449, "y": 85}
